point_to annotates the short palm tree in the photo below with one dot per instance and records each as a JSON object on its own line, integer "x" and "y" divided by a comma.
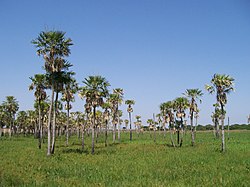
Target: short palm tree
{"x": 180, "y": 104}
{"x": 106, "y": 117}
{"x": 95, "y": 90}
{"x": 222, "y": 85}
{"x": 193, "y": 94}
{"x": 39, "y": 83}
{"x": 115, "y": 99}
{"x": 10, "y": 106}
{"x": 130, "y": 110}
{"x": 70, "y": 88}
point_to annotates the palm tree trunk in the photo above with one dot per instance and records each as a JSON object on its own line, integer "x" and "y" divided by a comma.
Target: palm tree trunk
{"x": 130, "y": 132}
{"x": 54, "y": 126}
{"x": 114, "y": 133}
{"x": 93, "y": 132}
{"x": 171, "y": 137}
{"x": 222, "y": 129}
{"x": 228, "y": 128}
{"x": 106, "y": 133}
{"x": 164, "y": 128}
{"x": 67, "y": 126}
{"x": 39, "y": 126}
{"x": 82, "y": 137}
{"x": 49, "y": 120}
{"x": 192, "y": 128}
{"x": 119, "y": 132}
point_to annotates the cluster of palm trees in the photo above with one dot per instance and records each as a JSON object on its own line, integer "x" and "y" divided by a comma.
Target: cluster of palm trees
{"x": 8, "y": 110}
{"x": 101, "y": 107}
{"x": 173, "y": 113}
{"x": 54, "y": 47}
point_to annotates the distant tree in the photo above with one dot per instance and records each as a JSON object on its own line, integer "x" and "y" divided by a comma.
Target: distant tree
{"x": 180, "y": 104}
{"x": 222, "y": 85}
{"x": 193, "y": 94}
{"x": 95, "y": 90}
{"x": 70, "y": 88}
{"x": 130, "y": 110}
{"x": 10, "y": 106}
{"x": 39, "y": 84}
{"x": 106, "y": 116}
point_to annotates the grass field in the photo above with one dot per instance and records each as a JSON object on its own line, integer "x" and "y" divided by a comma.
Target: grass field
{"x": 138, "y": 163}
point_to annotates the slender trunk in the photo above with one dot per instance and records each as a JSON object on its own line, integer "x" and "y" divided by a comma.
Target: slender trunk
{"x": 93, "y": 132}
{"x": 83, "y": 137}
{"x": 106, "y": 133}
{"x": 178, "y": 136}
{"x": 196, "y": 121}
{"x": 39, "y": 125}
{"x": 171, "y": 137}
{"x": 182, "y": 131}
{"x": 54, "y": 125}
{"x": 114, "y": 133}
{"x": 119, "y": 132}
{"x": 217, "y": 126}
{"x": 164, "y": 128}
{"x": 49, "y": 120}
{"x": 228, "y": 128}
{"x": 154, "y": 134}
{"x": 192, "y": 127}
{"x": 67, "y": 126}
{"x": 130, "y": 133}
{"x": 222, "y": 129}
{"x": 96, "y": 134}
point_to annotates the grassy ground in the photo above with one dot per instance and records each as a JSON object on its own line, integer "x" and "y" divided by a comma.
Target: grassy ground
{"x": 138, "y": 163}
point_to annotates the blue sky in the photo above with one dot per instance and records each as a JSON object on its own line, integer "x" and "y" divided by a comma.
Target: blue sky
{"x": 153, "y": 49}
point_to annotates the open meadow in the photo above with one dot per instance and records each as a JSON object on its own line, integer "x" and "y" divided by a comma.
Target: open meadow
{"x": 139, "y": 162}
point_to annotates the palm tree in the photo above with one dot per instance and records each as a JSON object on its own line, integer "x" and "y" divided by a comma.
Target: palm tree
{"x": 126, "y": 121}
{"x": 10, "y": 106}
{"x": 138, "y": 123}
{"x": 39, "y": 84}
{"x": 95, "y": 89}
{"x": 130, "y": 110}
{"x": 106, "y": 116}
{"x": 222, "y": 85}
{"x": 193, "y": 94}
{"x": 115, "y": 99}
{"x": 21, "y": 119}
{"x": 180, "y": 104}
{"x": 216, "y": 115}
{"x": 70, "y": 88}
{"x": 53, "y": 46}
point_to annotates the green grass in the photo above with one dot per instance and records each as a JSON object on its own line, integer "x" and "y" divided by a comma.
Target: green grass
{"x": 138, "y": 163}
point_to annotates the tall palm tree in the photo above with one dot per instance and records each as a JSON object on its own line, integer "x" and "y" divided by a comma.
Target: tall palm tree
{"x": 130, "y": 110}
{"x": 193, "y": 94}
{"x": 95, "y": 90}
{"x": 222, "y": 85}
{"x": 180, "y": 104}
{"x": 39, "y": 84}
{"x": 53, "y": 47}
{"x": 10, "y": 106}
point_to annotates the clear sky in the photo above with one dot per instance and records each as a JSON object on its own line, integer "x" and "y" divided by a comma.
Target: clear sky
{"x": 153, "y": 49}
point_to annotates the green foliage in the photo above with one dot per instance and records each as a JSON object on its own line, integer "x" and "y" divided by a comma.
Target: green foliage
{"x": 138, "y": 163}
